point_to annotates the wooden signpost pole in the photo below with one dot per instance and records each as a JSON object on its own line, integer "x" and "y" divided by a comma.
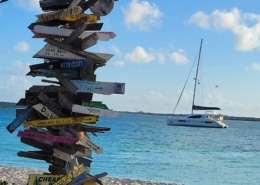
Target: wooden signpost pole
{"x": 57, "y": 116}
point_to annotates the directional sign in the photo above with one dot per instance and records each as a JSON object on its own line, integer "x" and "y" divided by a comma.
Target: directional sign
{"x": 47, "y": 146}
{"x": 88, "y": 18}
{"x": 44, "y": 111}
{"x": 54, "y": 73}
{"x": 59, "y": 14}
{"x": 43, "y": 179}
{"x": 63, "y": 32}
{"x": 69, "y": 177}
{"x": 73, "y": 64}
{"x": 96, "y": 104}
{"x": 19, "y": 119}
{"x": 53, "y": 52}
{"x": 49, "y": 137}
{"x": 62, "y": 155}
{"x": 61, "y": 121}
{"x": 99, "y": 87}
{"x": 85, "y": 141}
{"x": 94, "y": 111}
{"x": 52, "y": 105}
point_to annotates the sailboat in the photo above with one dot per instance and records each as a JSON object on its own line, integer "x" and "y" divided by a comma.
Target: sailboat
{"x": 207, "y": 119}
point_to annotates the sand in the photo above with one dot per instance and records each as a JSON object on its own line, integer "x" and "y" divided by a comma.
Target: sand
{"x": 19, "y": 176}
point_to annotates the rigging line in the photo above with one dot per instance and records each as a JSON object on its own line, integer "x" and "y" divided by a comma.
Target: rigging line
{"x": 185, "y": 84}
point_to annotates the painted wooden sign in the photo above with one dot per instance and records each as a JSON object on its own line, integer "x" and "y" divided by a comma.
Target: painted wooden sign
{"x": 94, "y": 111}
{"x": 85, "y": 141}
{"x": 53, "y": 52}
{"x": 73, "y": 64}
{"x": 49, "y": 137}
{"x": 19, "y": 120}
{"x": 96, "y": 104}
{"x": 45, "y": 145}
{"x": 64, "y": 32}
{"x": 54, "y": 73}
{"x": 45, "y": 111}
{"x": 99, "y": 87}
{"x": 59, "y": 14}
{"x": 69, "y": 177}
{"x": 52, "y": 105}
{"x": 61, "y": 121}
{"x": 88, "y": 18}
{"x": 43, "y": 179}
{"x": 62, "y": 155}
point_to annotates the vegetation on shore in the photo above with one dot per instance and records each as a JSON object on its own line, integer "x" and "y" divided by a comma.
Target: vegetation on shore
{"x": 226, "y": 117}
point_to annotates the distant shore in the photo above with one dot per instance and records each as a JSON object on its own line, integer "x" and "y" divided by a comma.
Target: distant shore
{"x": 226, "y": 117}
{"x": 19, "y": 176}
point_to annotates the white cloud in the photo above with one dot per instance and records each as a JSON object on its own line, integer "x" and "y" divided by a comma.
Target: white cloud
{"x": 22, "y": 46}
{"x": 119, "y": 63}
{"x": 178, "y": 57}
{"x": 142, "y": 15}
{"x": 19, "y": 67}
{"x": 254, "y": 67}
{"x": 244, "y": 26}
{"x": 32, "y": 5}
{"x": 139, "y": 55}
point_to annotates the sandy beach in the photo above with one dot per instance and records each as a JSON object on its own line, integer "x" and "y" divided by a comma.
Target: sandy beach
{"x": 19, "y": 176}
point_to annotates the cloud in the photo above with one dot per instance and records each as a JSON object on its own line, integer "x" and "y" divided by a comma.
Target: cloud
{"x": 142, "y": 15}
{"x": 22, "y": 46}
{"x": 119, "y": 63}
{"x": 254, "y": 67}
{"x": 244, "y": 26}
{"x": 19, "y": 67}
{"x": 31, "y": 5}
{"x": 139, "y": 55}
{"x": 178, "y": 57}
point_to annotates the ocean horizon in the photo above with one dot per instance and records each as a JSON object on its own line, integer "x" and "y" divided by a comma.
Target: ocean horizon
{"x": 142, "y": 146}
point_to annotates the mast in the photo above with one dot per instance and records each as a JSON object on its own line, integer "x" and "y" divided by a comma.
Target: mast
{"x": 196, "y": 78}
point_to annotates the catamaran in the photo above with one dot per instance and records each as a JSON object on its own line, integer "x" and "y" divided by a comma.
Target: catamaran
{"x": 208, "y": 119}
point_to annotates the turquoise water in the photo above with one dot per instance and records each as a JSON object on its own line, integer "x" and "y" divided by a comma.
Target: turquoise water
{"x": 144, "y": 147}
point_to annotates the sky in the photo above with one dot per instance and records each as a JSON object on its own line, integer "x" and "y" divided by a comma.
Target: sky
{"x": 156, "y": 45}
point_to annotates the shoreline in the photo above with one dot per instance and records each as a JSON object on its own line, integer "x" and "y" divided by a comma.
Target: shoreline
{"x": 20, "y": 176}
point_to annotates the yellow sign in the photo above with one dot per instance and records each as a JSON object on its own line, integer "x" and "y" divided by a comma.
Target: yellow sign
{"x": 87, "y": 17}
{"x": 60, "y": 121}
{"x": 41, "y": 179}
{"x": 69, "y": 177}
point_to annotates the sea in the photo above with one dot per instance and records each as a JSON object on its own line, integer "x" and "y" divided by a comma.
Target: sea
{"x": 142, "y": 146}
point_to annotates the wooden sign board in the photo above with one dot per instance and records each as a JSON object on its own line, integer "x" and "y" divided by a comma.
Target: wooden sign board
{"x": 88, "y": 18}
{"x": 59, "y": 14}
{"x": 92, "y": 178}
{"x": 85, "y": 141}
{"x": 45, "y": 111}
{"x": 49, "y": 137}
{"x": 53, "y": 73}
{"x": 55, "y": 32}
{"x": 43, "y": 179}
{"x": 53, "y": 52}
{"x": 94, "y": 111}
{"x": 99, "y": 87}
{"x": 43, "y": 145}
{"x": 52, "y": 105}
{"x": 96, "y": 104}
{"x": 67, "y": 83}
{"x": 19, "y": 120}
{"x": 62, "y": 155}
{"x": 61, "y": 121}
{"x": 73, "y": 64}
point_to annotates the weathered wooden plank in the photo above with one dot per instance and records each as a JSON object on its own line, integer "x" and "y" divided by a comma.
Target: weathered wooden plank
{"x": 53, "y": 73}
{"x": 53, "y": 52}
{"x": 55, "y": 170}
{"x": 55, "y": 32}
{"x": 60, "y": 121}
{"x": 102, "y": 7}
{"x": 75, "y": 34}
{"x": 19, "y": 120}
{"x": 87, "y": 42}
{"x": 99, "y": 87}
{"x": 62, "y": 155}
{"x": 43, "y": 145}
{"x": 85, "y": 141}
{"x": 45, "y": 111}
{"x": 49, "y": 137}
{"x": 43, "y": 179}
{"x": 59, "y": 14}
{"x": 53, "y": 106}
{"x": 47, "y": 89}
{"x": 67, "y": 83}
{"x": 94, "y": 111}
{"x": 88, "y": 18}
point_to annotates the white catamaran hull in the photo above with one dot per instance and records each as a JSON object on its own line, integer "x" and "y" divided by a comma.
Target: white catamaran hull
{"x": 196, "y": 121}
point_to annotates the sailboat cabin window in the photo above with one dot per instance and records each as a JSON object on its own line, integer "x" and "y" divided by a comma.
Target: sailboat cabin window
{"x": 195, "y": 116}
